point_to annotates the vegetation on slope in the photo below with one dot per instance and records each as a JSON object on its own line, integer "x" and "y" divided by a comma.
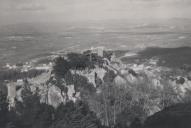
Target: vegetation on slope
{"x": 32, "y": 114}
{"x": 106, "y": 105}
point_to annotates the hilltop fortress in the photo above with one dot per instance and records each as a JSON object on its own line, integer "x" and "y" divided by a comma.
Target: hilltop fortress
{"x": 15, "y": 87}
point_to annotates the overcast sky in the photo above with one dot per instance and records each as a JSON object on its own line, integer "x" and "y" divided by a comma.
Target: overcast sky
{"x": 74, "y": 10}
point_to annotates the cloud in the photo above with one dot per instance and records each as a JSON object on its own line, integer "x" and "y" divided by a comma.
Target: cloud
{"x": 23, "y": 5}
{"x": 40, "y": 5}
{"x": 63, "y": 10}
{"x": 30, "y": 7}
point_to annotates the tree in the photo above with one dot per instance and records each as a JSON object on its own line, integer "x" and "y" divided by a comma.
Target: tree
{"x": 79, "y": 61}
{"x": 3, "y": 109}
{"x": 33, "y": 114}
{"x": 168, "y": 96}
{"x": 109, "y": 103}
{"x": 75, "y": 115}
{"x": 61, "y": 67}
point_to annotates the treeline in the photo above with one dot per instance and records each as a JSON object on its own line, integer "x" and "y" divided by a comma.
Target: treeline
{"x": 75, "y": 61}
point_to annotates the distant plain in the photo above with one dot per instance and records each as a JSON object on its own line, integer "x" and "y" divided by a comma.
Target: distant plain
{"x": 22, "y": 42}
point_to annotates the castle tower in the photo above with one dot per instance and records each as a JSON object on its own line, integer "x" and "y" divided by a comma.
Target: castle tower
{"x": 11, "y": 88}
{"x": 100, "y": 51}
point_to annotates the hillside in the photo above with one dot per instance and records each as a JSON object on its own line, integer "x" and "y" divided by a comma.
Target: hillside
{"x": 112, "y": 92}
{"x": 177, "y": 116}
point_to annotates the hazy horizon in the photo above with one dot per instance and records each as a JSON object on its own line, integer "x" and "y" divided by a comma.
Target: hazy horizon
{"x": 19, "y": 11}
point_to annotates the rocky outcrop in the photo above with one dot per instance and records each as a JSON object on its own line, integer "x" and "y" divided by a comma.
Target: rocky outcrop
{"x": 181, "y": 85}
{"x": 72, "y": 94}
{"x": 92, "y": 74}
{"x": 55, "y": 97}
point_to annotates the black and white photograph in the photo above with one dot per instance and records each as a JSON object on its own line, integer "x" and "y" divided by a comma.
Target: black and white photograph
{"x": 95, "y": 63}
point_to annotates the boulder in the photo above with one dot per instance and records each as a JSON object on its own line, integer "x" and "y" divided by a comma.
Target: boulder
{"x": 55, "y": 98}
